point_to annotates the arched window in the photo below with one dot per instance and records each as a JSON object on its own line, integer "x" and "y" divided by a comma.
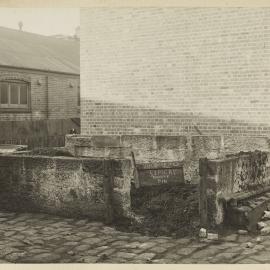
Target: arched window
{"x": 14, "y": 94}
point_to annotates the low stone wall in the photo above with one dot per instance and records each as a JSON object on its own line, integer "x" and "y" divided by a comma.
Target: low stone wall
{"x": 96, "y": 188}
{"x": 235, "y": 175}
{"x": 188, "y": 149}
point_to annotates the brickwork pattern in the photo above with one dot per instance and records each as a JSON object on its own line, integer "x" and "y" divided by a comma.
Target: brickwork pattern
{"x": 59, "y": 89}
{"x": 164, "y": 71}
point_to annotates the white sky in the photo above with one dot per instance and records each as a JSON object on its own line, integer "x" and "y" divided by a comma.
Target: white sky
{"x": 43, "y": 21}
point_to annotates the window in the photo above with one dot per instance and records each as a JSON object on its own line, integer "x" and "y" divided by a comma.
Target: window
{"x": 14, "y": 95}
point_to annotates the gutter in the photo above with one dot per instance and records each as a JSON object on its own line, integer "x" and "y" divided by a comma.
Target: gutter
{"x": 41, "y": 70}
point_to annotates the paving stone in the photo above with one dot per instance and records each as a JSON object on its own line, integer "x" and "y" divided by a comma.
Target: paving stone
{"x": 7, "y": 250}
{"x": 141, "y": 238}
{"x": 229, "y": 244}
{"x": 81, "y": 248}
{"x": 61, "y": 250}
{"x": 259, "y": 247}
{"x": 4, "y": 261}
{"x": 16, "y": 244}
{"x": 91, "y": 252}
{"x": 161, "y": 261}
{"x": 43, "y": 258}
{"x": 167, "y": 245}
{"x": 146, "y": 256}
{"x": 15, "y": 256}
{"x": 139, "y": 261}
{"x": 116, "y": 260}
{"x": 89, "y": 259}
{"x": 183, "y": 241}
{"x": 119, "y": 243}
{"x": 81, "y": 222}
{"x": 147, "y": 245}
{"x": 158, "y": 249}
{"x": 249, "y": 251}
{"x": 96, "y": 224}
{"x": 9, "y": 233}
{"x": 91, "y": 240}
{"x": 162, "y": 240}
{"x": 186, "y": 251}
{"x": 18, "y": 236}
{"x": 68, "y": 237}
{"x": 188, "y": 260}
{"x": 71, "y": 243}
{"x": 37, "y": 250}
{"x": 172, "y": 256}
{"x": 124, "y": 255}
{"x": 204, "y": 253}
{"x": 123, "y": 237}
{"x": 132, "y": 245}
{"x": 248, "y": 261}
{"x": 107, "y": 252}
{"x": 20, "y": 228}
{"x": 262, "y": 257}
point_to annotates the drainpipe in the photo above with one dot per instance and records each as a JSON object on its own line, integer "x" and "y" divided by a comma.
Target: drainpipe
{"x": 47, "y": 97}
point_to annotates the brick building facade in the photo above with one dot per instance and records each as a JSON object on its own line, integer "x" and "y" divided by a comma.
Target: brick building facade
{"x": 175, "y": 71}
{"x": 39, "y": 77}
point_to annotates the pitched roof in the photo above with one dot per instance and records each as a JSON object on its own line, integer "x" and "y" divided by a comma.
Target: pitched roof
{"x": 27, "y": 50}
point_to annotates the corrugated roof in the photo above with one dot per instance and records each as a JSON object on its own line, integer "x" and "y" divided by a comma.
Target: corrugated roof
{"x": 28, "y": 50}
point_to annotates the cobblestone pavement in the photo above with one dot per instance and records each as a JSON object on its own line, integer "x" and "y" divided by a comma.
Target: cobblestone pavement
{"x": 42, "y": 238}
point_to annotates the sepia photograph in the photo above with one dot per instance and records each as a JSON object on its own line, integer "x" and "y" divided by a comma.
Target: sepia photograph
{"x": 135, "y": 135}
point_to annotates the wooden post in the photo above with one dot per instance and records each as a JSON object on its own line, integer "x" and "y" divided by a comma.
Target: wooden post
{"x": 203, "y": 195}
{"x": 135, "y": 174}
{"x": 108, "y": 190}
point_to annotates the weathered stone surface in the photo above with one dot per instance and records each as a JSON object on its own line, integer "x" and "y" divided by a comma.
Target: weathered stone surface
{"x": 230, "y": 179}
{"x": 64, "y": 185}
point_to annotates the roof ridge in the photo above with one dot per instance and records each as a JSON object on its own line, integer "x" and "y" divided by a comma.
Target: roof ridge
{"x": 35, "y": 34}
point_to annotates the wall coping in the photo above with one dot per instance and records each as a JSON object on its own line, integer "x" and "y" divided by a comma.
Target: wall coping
{"x": 16, "y": 155}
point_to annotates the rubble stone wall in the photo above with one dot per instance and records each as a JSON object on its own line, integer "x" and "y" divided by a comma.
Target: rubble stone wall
{"x": 220, "y": 179}
{"x": 96, "y": 188}
{"x": 147, "y": 148}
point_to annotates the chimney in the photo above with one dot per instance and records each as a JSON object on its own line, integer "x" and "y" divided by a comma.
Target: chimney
{"x": 20, "y": 24}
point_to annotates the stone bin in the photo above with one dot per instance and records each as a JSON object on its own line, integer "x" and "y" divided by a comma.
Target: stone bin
{"x": 229, "y": 180}
{"x": 97, "y": 188}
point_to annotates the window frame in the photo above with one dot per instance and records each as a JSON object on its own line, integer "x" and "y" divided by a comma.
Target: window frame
{"x": 18, "y": 107}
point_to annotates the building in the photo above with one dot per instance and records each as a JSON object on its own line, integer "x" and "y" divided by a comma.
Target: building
{"x": 175, "y": 71}
{"x": 39, "y": 76}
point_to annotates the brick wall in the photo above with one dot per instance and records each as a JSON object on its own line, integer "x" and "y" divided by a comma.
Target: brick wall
{"x": 63, "y": 97}
{"x": 174, "y": 71}
{"x": 61, "y": 90}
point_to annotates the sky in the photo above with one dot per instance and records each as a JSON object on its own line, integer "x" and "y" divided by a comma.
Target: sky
{"x": 43, "y": 21}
